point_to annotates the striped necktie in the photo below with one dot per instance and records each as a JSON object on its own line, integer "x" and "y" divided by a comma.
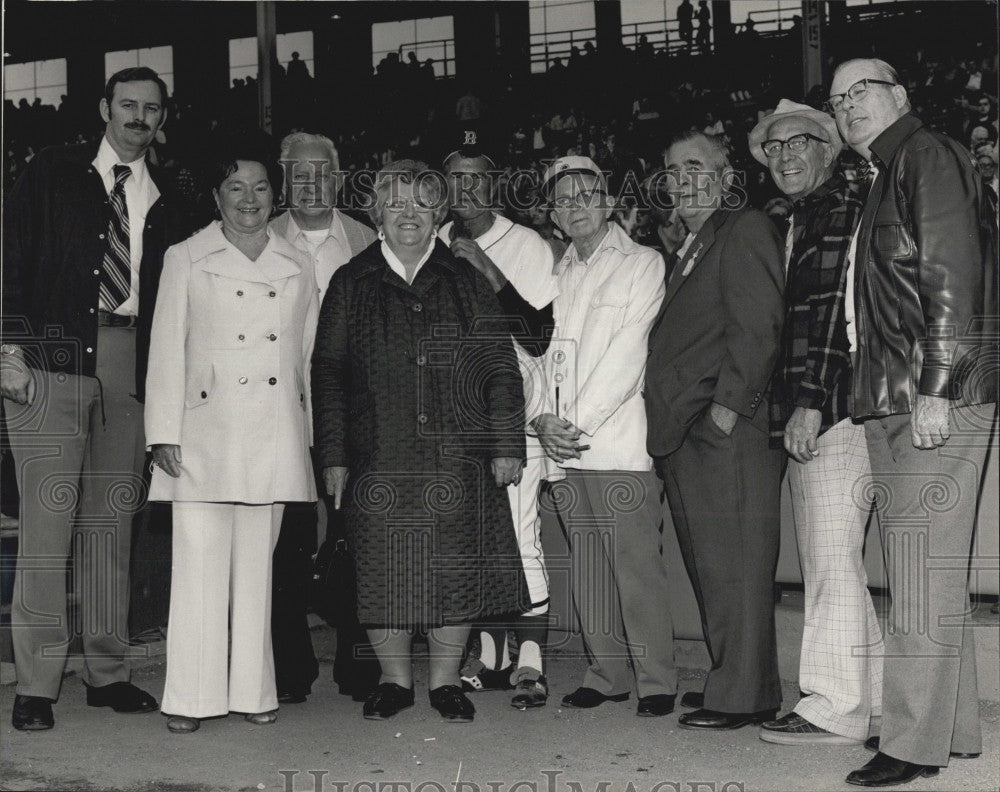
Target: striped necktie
{"x": 116, "y": 281}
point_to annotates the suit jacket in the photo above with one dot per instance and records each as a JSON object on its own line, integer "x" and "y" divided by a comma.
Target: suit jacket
{"x": 229, "y": 379}
{"x": 55, "y": 218}
{"x": 717, "y": 334}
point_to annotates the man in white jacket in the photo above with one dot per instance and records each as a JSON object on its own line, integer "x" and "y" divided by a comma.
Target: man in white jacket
{"x": 593, "y": 426}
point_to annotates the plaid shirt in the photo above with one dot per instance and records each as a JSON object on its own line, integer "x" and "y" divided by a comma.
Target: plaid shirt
{"x": 814, "y": 365}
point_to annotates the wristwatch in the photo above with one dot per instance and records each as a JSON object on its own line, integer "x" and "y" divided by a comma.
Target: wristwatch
{"x": 9, "y": 349}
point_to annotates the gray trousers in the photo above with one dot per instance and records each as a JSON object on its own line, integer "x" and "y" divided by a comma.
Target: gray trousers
{"x": 78, "y": 451}
{"x": 724, "y": 494}
{"x": 613, "y": 522}
{"x": 927, "y": 503}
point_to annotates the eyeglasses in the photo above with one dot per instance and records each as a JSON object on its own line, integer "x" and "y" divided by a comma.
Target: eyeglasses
{"x": 796, "y": 144}
{"x": 856, "y": 92}
{"x": 397, "y": 205}
{"x": 587, "y": 199}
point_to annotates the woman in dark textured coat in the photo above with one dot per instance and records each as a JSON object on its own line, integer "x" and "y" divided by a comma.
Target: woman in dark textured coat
{"x": 418, "y": 400}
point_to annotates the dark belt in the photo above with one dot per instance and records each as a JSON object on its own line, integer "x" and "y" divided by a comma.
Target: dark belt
{"x": 108, "y": 319}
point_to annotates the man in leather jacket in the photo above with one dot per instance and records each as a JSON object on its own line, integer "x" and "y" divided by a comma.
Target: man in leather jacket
{"x": 925, "y": 387}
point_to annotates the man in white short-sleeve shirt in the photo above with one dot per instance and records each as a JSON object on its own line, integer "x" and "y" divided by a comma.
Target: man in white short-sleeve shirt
{"x": 518, "y": 264}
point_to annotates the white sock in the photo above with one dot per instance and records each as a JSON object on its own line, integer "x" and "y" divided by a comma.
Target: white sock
{"x": 530, "y": 656}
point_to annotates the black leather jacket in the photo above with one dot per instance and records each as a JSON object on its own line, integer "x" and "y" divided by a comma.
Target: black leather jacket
{"x": 925, "y": 277}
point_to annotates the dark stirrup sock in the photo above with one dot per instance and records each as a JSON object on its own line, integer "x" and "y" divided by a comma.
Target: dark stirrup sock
{"x": 501, "y": 652}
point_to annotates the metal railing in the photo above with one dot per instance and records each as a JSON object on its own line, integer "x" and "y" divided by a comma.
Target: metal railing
{"x": 549, "y": 45}
{"x": 447, "y": 44}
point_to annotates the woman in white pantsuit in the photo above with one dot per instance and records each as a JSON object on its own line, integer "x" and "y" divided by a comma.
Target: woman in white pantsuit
{"x": 227, "y": 420}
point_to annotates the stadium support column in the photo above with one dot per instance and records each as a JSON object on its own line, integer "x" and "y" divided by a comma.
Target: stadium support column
{"x": 476, "y": 45}
{"x": 266, "y": 56}
{"x": 608, "y": 24}
{"x": 812, "y": 44}
{"x": 722, "y": 28}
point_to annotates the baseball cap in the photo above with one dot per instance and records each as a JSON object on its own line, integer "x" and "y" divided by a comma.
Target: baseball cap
{"x": 565, "y": 166}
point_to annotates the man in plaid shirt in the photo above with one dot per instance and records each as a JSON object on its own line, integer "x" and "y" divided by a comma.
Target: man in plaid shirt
{"x": 841, "y": 665}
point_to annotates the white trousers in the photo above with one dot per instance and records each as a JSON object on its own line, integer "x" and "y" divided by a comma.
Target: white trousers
{"x": 840, "y": 668}
{"x": 221, "y": 589}
{"x": 528, "y": 521}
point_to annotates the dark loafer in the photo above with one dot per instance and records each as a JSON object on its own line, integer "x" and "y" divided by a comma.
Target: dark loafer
{"x": 655, "y": 706}
{"x": 722, "y": 721}
{"x": 387, "y": 700}
{"x": 693, "y": 699}
{"x": 586, "y": 698}
{"x": 181, "y": 724}
{"x": 288, "y": 697}
{"x": 793, "y": 729}
{"x": 884, "y": 770}
{"x": 121, "y": 697}
{"x": 32, "y": 713}
{"x": 872, "y": 745}
{"x": 452, "y": 703}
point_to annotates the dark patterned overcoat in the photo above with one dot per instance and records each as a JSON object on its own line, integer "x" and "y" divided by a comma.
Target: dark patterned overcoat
{"x": 415, "y": 390}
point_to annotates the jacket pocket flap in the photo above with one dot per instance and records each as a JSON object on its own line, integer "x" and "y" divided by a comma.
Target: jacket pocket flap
{"x": 892, "y": 240}
{"x": 199, "y": 387}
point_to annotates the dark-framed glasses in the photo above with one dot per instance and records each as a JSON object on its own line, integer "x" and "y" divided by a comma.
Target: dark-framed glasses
{"x": 796, "y": 144}
{"x": 836, "y": 101}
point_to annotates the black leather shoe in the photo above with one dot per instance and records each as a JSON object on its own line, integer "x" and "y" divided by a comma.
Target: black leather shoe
{"x": 722, "y": 721}
{"x": 121, "y": 697}
{"x": 655, "y": 706}
{"x": 453, "y": 704}
{"x": 530, "y": 692}
{"x": 872, "y": 745}
{"x": 884, "y": 770}
{"x": 387, "y": 700}
{"x": 357, "y": 692}
{"x": 288, "y": 697}
{"x": 693, "y": 699}
{"x": 32, "y": 713}
{"x": 586, "y": 698}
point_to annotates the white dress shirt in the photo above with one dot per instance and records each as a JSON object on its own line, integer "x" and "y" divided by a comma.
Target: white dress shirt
{"x": 397, "y": 266}
{"x": 140, "y": 195}
{"x": 849, "y": 312}
{"x": 327, "y": 247}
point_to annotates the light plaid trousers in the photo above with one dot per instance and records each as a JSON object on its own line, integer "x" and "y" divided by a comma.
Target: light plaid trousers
{"x": 840, "y": 668}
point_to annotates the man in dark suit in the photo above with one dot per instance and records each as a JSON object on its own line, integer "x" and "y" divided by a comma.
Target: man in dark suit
{"x": 711, "y": 353}
{"x": 85, "y": 229}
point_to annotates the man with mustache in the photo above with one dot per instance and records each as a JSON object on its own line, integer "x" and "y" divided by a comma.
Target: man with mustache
{"x": 85, "y": 230}
{"x": 925, "y": 388}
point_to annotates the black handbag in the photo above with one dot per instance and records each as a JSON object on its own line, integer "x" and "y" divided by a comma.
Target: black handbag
{"x": 334, "y": 583}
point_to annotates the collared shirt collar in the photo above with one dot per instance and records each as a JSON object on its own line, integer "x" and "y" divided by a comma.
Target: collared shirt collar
{"x": 106, "y": 160}
{"x": 892, "y": 137}
{"x": 397, "y": 266}
{"x": 615, "y": 238}
{"x": 835, "y": 183}
{"x": 211, "y": 240}
{"x": 335, "y": 229}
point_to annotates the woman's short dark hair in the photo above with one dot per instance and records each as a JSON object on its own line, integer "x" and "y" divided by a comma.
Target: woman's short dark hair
{"x": 135, "y": 74}
{"x": 249, "y": 147}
